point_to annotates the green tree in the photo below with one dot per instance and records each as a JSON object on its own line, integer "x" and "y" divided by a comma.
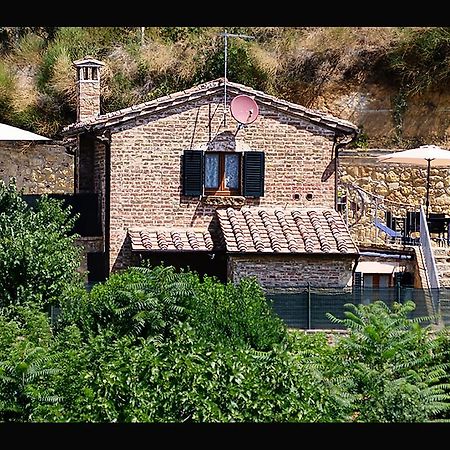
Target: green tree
{"x": 38, "y": 258}
{"x": 26, "y": 362}
{"x": 390, "y": 365}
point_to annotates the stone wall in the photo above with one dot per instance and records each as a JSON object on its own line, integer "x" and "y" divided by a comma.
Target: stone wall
{"x": 38, "y": 168}
{"x": 290, "y": 272}
{"x": 396, "y": 182}
{"x": 146, "y": 157}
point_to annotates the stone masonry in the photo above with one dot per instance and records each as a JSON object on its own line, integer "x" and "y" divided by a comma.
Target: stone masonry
{"x": 402, "y": 188}
{"x": 396, "y": 182}
{"x": 37, "y": 168}
{"x": 284, "y": 272}
{"x": 88, "y": 87}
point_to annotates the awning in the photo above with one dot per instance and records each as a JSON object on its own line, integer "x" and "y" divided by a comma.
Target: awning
{"x": 378, "y": 267}
{"x": 168, "y": 239}
{"x": 9, "y": 133}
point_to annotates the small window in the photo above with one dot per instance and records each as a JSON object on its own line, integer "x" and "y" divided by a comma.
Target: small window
{"x": 222, "y": 173}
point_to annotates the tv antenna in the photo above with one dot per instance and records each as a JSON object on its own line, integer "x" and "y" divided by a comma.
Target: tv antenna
{"x": 226, "y": 35}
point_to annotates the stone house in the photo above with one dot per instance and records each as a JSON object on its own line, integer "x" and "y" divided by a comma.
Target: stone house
{"x": 179, "y": 181}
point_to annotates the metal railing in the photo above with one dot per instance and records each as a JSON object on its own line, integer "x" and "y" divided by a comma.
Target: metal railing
{"x": 429, "y": 260}
{"x": 362, "y": 209}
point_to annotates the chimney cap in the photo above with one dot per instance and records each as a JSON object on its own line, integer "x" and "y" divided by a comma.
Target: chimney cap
{"x": 88, "y": 61}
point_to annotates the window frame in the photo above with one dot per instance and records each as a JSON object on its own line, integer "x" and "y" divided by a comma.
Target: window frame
{"x": 222, "y": 190}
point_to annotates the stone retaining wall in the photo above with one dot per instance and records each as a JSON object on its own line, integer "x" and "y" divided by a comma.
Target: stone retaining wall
{"x": 38, "y": 168}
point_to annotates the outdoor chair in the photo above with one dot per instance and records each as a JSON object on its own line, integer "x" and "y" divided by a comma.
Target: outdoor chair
{"x": 389, "y": 231}
{"x": 438, "y": 225}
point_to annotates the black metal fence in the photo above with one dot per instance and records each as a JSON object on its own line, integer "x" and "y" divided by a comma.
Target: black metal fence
{"x": 307, "y": 308}
{"x": 86, "y": 205}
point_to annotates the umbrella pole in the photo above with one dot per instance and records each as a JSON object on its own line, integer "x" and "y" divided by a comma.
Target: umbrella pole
{"x": 428, "y": 185}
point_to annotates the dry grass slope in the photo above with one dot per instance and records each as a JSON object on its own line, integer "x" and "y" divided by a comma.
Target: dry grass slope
{"x": 299, "y": 64}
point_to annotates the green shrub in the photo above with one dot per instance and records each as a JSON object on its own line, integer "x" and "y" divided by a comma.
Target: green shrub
{"x": 390, "y": 365}
{"x": 38, "y": 258}
{"x": 26, "y": 365}
{"x": 421, "y": 59}
{"x": 235, "y": 315}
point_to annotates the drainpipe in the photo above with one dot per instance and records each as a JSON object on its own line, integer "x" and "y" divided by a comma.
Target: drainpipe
{"x": 107, "y": 204}
{"x": 337, "y": 146}
{"x": 106, "y": 141}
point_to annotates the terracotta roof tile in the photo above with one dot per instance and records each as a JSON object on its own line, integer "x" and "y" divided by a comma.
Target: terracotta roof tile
{"x": 274, "y": 243}
{"x": 277, "y": 230}
{"x": 168, "y": 239}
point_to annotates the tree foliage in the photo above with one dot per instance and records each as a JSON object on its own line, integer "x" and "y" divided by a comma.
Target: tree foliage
{"x": 38, "y": 258}
{"x": 390, "y": 365}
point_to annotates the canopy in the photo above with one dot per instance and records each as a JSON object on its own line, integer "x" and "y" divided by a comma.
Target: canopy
{"x": 420, "y": 156}
{"x": 9, "y": 133}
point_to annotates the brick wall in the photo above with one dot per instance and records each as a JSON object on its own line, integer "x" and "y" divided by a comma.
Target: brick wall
{"x": 88, "y": 95}
{"x": 287, "y": 271}
{"x": 146, "y": 159}
{"x": 38, "y": 168}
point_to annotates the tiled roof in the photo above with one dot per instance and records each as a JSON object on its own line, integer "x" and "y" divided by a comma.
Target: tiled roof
{"x": 170, "y": 239}
{"x": 207, "y": 89}
{"x": 277, "y": 230}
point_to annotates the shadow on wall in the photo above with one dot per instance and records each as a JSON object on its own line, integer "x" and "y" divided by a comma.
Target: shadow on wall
{"x": 125, "y": 257}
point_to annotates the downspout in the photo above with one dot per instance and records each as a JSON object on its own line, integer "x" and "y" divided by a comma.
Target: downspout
{"x": 107, "y": 205}
{"x": 337, "y": 146}
{"x": 106, "y": 141}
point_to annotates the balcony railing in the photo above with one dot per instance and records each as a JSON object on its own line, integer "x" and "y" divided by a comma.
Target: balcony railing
{"x": 429, "y": 261}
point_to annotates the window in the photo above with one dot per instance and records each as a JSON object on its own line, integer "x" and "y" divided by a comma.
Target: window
{"x": 223, "y": 173}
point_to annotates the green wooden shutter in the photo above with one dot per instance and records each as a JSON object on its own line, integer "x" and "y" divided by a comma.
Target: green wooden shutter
{"x": 193, "y": 173}
{"x": 253, "y": 185}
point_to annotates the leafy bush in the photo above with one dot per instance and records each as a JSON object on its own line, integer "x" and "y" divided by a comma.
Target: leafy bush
{"x": 25, "y": 362}
{"x": 390, "y": 365}
{"x": 421, "y": 59}
{"x": 235, "y": 315}
{"x": 38, "y": 258}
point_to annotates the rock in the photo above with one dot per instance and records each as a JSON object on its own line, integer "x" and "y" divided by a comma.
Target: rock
{"x": 392, "y": 176}
{"x": 393, "y": 186}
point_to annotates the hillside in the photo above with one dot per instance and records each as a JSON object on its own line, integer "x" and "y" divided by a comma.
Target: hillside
{"x": 392, "y": 82}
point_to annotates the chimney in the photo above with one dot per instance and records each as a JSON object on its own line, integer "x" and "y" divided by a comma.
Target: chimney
{"x": 88, "y": 87}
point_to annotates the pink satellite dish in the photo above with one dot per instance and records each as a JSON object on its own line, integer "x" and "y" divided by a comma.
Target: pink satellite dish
{"x": 244, "y": 109}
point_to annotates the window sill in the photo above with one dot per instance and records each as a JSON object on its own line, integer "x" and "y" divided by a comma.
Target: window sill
{"x": 224, "y": 200}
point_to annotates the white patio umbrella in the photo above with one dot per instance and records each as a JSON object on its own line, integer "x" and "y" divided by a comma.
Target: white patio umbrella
{"x": 425, "y": 155}
{"x": 9, "y": 133}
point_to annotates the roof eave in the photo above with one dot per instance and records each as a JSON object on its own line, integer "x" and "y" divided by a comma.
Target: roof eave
{"x": 172, "y": 100}
{"x": 352, "y": 254}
